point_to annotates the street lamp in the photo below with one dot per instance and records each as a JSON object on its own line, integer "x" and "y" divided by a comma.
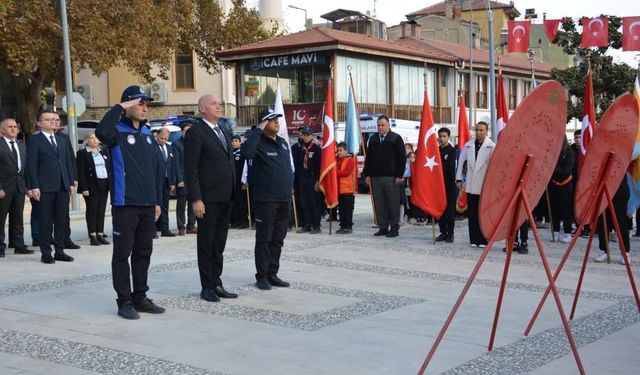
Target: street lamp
{"x": 305, "y": 14}
{"x": 492, "y": 72}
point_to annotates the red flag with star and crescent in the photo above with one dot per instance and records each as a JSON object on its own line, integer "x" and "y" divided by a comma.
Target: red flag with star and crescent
{"x": 631, "y": 33}
{"x": 595, "y": 32}
{"x": 427, "y": 181}
{"x": 518, "y": 38}
{"x": 328, "y": 172}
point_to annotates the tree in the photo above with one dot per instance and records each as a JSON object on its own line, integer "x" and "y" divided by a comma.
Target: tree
{"x": 610, "y": 79}
{"x": 139, "y": 35}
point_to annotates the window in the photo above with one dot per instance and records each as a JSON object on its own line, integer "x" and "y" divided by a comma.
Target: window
{"x": 527, "y": 88}
{"x": 370, "y": 80}
{"x": 184, "y": 71}
{"x": 513, "y": 93}
{"x": 408, "y": 87}
{"x": 463, "y": 88}
{"x": 481, "y": 91}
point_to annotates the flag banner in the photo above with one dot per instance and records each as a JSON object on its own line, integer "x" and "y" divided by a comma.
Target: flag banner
{"x": 595, "y": 32}
{"x": 461, "y": 202}
{"x": 352, "y": 126}
{"x": 463, "y": 125}
{"x": 633, "y": 176}
{"x": 588, "y": 115}
{"x": 282, "y": 123}
{"x": 427, "y": 181}
{"x": 328, "y": 174}
{"x": 502, "y": 111}
{"x": 302, "y": 115}
{"x": 631, "y": 33}
{"x": 551, "y": 28}
{"x": 518, "y": 37}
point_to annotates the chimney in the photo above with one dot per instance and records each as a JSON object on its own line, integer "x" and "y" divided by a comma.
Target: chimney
{"x": 448, "y": 9}
{"x": 415, "y": 29}
{"x": 457, "y": 11}
{"x": 403, "y": 26}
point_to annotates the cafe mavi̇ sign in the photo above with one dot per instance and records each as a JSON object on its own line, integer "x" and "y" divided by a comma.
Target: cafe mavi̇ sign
{"x": 285, "y": 61}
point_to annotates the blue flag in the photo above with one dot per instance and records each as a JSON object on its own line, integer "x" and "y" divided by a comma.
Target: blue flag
{"x": 352, "y": 128}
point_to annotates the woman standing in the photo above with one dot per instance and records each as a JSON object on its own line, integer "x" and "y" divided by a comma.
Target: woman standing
{"x": 93, "y": 184}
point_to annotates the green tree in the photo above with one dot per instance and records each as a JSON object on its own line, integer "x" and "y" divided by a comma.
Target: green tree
{"x": 140, "y": 35}
{"x": 610, "y": 79}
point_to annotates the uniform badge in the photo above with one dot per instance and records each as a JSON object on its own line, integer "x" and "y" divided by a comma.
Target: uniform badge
{"x": 148, "y": 140}
{"x": 310, "y": 155}
{"x": 446, "y": 156}
{"x": 105, "y": 157}
{"x": 131, "y": 139}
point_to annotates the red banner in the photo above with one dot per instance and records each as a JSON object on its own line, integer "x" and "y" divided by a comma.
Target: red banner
{"x": 631, "y": 33}
{"x": 305, "y": 114}
{"x": 595, "y": 32}
{"x": 551, "y": 28}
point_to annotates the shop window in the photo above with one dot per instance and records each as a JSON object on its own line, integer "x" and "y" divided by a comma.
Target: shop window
{"x": 481, "y": 91}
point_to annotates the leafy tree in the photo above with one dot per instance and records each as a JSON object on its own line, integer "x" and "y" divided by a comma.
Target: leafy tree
{"x": 610, "y": 79}
{"x": 140, "y": 35}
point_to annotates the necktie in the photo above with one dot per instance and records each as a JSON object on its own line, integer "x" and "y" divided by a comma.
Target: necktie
{"x": 15, "y": 154}
{"x": 164, "y": 152}
{"x": 220, "y": 136}
{"x": 382, "y": 138}
{"x": 53, "y": 142}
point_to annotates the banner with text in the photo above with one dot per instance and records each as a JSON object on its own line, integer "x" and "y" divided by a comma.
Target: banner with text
{"x": 304, "y": 114}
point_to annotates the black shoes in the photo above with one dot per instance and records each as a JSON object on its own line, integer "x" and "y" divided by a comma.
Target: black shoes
{"x": 61, "y": 256}
{"x": 523, "y": 248}
{"x": 209, "y": 295}
{"x": 276, "y": 281}
{"x": 71, "y": 245}
{"x": 263, "y": 284}
{"x": 93, "y": 241}
{"x": 127, "y": 311}
{"x": 515, "y": 248}
{"x": 155, "y": 236}
{"x": 102, "y": 240}
{"x": 47, "y": 259}
{"x": 23, "y": 250}
{"x": 392, "y": 233}
{"x": 146, "y": 305}
{"x": 315, "y": 231}
{"x": 449, "y": 239}
{"x": 2, "y": 253}
{"x": 304, "y": 230}
{"x": 344, "y": 231}
{"x": 441, "y": 237}
{"x": 167, "y": 233}
{"x": 381, "y": 232}
{"x": 222, "y": 293}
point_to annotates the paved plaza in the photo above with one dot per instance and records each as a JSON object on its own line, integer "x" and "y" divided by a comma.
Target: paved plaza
{"x": 358, "y": 304}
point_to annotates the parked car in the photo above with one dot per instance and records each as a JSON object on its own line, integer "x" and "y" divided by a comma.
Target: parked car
{"x": 83, "y": 127}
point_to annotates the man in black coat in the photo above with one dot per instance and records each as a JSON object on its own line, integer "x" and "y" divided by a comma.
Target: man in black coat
{"x": 50, "y": 177}
{"x": 448, "y": 157}
{"x": 383, "y": 170}
{"x": 177, "y": 148}
{"x": 306, "y": 159}
{"x": 239, "y": 215}
{"x": 168, "y": 184}
{"x": 210, "y": 175}
{"x": 13, "y": 156}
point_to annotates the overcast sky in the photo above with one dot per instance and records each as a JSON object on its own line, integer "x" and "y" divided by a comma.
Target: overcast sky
{"x": 393, "y": 12}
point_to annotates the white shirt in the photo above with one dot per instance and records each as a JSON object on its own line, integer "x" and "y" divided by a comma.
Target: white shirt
{"x": 49, "y": 135}
{"x": 98, "y": 161}
{"x": 15, "y": 142}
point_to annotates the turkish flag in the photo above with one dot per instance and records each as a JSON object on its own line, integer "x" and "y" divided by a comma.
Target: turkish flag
{"x": 631, "y": 33}
{"x": 588, "y": 115}
{"x": 502, "y": 112}
{"x": 595, "y": 32}
{"x": 463, "y": 125}
{"x": 427, "y": 181}
{"x": 328, "y": 173}
{"x": 518, "y": 40}
{"x": 551, "y": 28}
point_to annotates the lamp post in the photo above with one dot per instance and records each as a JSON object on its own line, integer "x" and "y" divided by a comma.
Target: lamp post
{"x": 305, "y": 14}
{"x": 492, "y": 72}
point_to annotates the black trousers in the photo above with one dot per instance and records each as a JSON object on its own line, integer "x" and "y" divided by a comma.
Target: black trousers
{"x": 345, "y": 208}
{"x": 52, "y": 212}
{"x": 272, "y": 219}
{"x": 387, "y": 197}
{"x": 310, "y": 202}
{"x": 475, "y": 234}
{"x": 182, "y": 204}
{"x": 133, "y": 231}
{"x": 239, "y": 213}
{"x": 163, "y": 221}
{"x": 212, "y": 238}
{"x": 620, "y": 199}
{"x": 448, "y": 219}
{"x": 561, "y": 206}
{"x": 12, "y": 205}
{"x": 96, "y": 204}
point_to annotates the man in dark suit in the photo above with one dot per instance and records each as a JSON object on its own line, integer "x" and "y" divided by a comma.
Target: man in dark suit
{"x": 448, "y": 157}
{"x": 50, "y": 177}
{"x": 13, "y": 156}
{"x": 177, "y": 148}
{"x": 210, "y": 176}
{"x": 168, "y": 184}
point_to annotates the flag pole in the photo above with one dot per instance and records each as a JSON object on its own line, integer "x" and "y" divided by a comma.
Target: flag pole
{"x": 532, "y": 55}
{"x": 364, "y": 151}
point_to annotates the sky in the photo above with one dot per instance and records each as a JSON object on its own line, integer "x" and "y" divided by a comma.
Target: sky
{"x": 392, "y": 12}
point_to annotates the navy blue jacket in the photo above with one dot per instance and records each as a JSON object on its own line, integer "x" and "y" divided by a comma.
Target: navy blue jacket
{"x": 271, "y": 174}
{"x": 312, "y": 172}
{"x": 48, "y": 166}
{"x": 137, "y": 174}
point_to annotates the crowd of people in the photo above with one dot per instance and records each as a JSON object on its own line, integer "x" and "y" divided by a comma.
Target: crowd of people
{"x": 221, "y": 182}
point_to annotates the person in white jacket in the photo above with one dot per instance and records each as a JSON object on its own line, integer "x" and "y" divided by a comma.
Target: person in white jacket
{"x": 474, "y": 161}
